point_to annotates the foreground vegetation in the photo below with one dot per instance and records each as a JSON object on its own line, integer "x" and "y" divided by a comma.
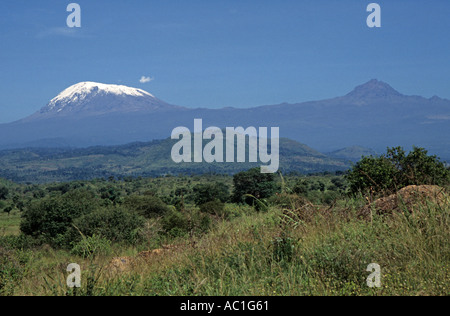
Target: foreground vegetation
{"x": 250, "y": 234}
{"x": 259, "y": 254}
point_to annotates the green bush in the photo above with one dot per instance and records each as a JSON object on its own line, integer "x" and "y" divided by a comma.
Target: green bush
{"x": 201, "y": 223}
{"x": 283, "y": 248}
{"x": 13, "y": 267}
{"x": 287, "y": 201}
{"x": 252, "y": 184}
{"x": 4, "y": 191}
{"x": 146, "y": 205}
{"x": 10, "y": 270}
{"x": 213, "y": 207}
{"x": 180, "y": 224}
{"x": 50, "y": 217}
{"x": 175, "y": 223}
{"x": 110, "y": 194}
{"x": 114, "y": 224}
{"x": 91, "y": 246}
{"x": 339, "y": 183}
{"x": 204, "y": 193}
{"x": 301, "y": 187}
{"x": 395, "y": 170}
{"x": 8, "y": 210}
{"x": 20, "y": 242}
{"x": 328, "y": 197}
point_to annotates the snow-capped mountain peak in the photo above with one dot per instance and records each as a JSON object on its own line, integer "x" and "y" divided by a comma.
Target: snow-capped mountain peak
{"x": 87, "y": 99}
{"x": 81, "y": 91}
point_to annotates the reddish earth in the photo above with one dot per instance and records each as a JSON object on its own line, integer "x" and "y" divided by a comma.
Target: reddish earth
{"x": 407, "y": 199}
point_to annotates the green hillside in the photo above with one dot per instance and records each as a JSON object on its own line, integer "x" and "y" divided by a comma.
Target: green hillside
{"x": 38, "y": 165}
{"x": 353, "y": 153}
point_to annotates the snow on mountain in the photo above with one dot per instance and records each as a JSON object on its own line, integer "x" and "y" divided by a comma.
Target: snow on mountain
{"x": 92, "y": 98}
{"x": 82, "y": 90}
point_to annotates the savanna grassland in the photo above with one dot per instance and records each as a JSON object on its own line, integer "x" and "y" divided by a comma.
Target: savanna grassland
{"x": 247, "y": 234}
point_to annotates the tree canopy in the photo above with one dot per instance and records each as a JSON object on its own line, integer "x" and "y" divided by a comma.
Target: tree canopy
{"x": 395, "y": 170}
{"x": 252, "y": 184}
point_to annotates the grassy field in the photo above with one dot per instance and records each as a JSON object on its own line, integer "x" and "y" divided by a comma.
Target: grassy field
{"x": 9, "y": 224}
{"x": 278, "y": 252}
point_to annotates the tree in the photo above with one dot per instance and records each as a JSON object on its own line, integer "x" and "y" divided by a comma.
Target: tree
{"x": 213, "y": 207}
{"x": 115, "y": 224}
{"x": 420, "y": 168}
{"x": 301, "y": 187}
{"x": 204, "y": 193}
{"x": 110, "y": 193}
{"x": 395, "y": 170}
{"x": 4, "y": 191}
{"x": 252, "y": 184}
{"x": 146, "y": 205}
{"x": 18, "y": 202}
{"x": 8, "y": 210}
{"x": 51, "y": 216}
{"x": 339, "y": 183}
{"x": 321, "y": 186}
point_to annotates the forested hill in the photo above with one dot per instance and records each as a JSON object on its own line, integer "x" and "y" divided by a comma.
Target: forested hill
{"x": 39, "y": 165}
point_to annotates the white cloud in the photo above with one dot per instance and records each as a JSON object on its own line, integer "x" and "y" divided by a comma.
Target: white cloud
{"x": 145, "y": 79}
{"x": 61, "y": 32}
{"x": 439, "y": 117}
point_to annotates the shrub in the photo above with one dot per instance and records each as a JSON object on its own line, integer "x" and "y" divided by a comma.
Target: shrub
{"x": 261, "y": 205}
{"x": 20, "y": 242}
{"x": 200, "y": 223}
{"x": 204, "y": 193}
{"x": 52, "y": 216}
{"x": 8, "y": 210}
{"x": 13, "y": 267}
{"x": 339, "y": 183}
{"x": 287, "y": 201}
{"x": 283, "y": 248}
{"x": 114, "y": 224}
{"x": 4, "y": 191}
{"x": 252, "y": 184}
{"x": 146, "y": 205}
{"x": 395, "y": 170}
{"x": 180, "y": 224}
{"x": 92, "y": 246}
{"x": 10, "y": 270}
{"x": 301, "y": 187}
{"x": 175, "y": 223}
{"x": 110, "y": 194}
{"x": 214, "y": 208}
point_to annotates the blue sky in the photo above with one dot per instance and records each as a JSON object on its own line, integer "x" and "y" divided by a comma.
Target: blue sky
{"x": 211, "y": 53}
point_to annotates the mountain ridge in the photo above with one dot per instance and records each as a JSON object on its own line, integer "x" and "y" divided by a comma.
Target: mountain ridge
{"x": 374, "y": 89}
{"x": 353, "y": 153}
{"x": 373, "y": 115}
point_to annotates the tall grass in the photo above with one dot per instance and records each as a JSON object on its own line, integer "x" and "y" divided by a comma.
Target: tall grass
{"x": 262, "y": 254}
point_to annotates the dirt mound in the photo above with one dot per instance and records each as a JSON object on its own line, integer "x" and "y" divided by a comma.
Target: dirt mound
{"x": 306, "y": 213}
{"x": 406, "y": 198}
{"x": 120, "y": 264}
{"x": 150, "y": 254}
